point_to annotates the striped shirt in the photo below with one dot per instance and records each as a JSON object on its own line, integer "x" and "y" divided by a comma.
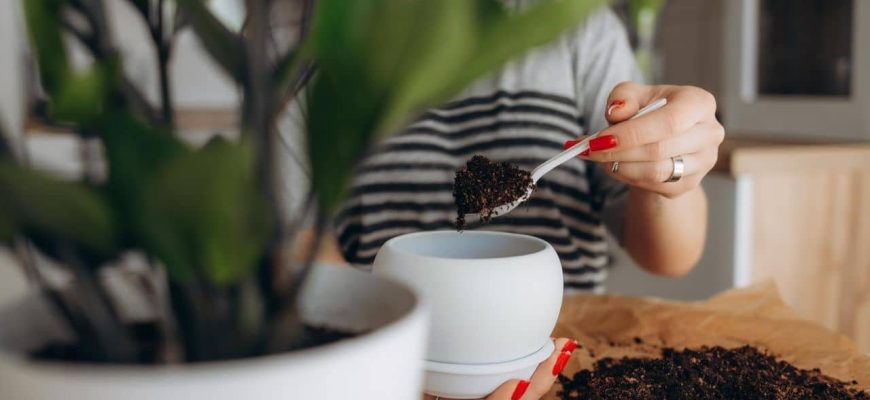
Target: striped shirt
{"x": 523, "y": 114}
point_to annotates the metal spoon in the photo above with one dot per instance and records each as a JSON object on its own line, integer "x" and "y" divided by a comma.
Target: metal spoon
{"x": 558, "y": 160}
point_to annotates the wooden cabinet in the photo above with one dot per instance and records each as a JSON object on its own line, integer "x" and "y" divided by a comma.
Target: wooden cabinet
{"x": 804, "y": 221}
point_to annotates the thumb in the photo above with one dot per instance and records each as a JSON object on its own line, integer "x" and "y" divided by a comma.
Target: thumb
{"x": 625, "y": 100}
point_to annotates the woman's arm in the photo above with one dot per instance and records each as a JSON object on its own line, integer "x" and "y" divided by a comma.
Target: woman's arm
{"x": 665, "y": 222}
{"x": 665, "y": 236}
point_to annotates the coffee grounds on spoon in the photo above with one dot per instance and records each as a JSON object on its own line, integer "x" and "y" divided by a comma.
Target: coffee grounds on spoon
{"x": 707, "y": 373}
{"x": 482, "y": 185}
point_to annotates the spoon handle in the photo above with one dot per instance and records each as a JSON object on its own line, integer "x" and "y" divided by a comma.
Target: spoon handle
{"x": 578, "y": 148}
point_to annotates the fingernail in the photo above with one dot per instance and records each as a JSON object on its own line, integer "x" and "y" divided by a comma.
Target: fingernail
{"x": 603, "y": 143}
{"x": 561, "y": 362}
{"x": 585, "y": 153}
{"x": 614, "y": 105}
{"x": 521, "y": 388}
{"x": 569, "y": 347}
{"x": 569, "y": 144}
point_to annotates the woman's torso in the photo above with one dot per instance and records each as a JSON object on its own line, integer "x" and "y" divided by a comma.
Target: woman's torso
{"x": 522, "y": 115}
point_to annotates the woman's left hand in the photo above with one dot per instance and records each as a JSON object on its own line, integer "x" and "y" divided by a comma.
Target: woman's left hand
{"x": 541, "y": 380}
{"x": 640, "y": 152}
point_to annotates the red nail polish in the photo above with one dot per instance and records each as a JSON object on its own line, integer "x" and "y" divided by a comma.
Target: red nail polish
{"x": 569, "y": 144}
{"x": 561, "y": 362}
{"x": 585, "y": 153}
{"x": 603, "y": 143}
{"x": 614, "y": 105}
{"x": 521, "y": 388}
{"x": 569, "y": 347}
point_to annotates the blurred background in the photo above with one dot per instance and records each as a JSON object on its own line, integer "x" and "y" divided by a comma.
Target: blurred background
{"x": 790, "y": 197}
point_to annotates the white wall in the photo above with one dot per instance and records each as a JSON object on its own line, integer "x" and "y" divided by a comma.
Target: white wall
{"x": 11, "y": 107}
{"x": 12, "y": 284}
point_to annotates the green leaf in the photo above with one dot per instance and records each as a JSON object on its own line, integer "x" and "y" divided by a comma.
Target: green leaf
{"x": 73, "y": 96}
{"x": 135, "y": 152}
{"x": 337, "y": 31}
{"x": 635, "y": 7}
{"x": 489, "y": 11}
{"x": 81, "y": 96}
{"x": 43, "y": 26}
{"x": 224, "y": 46}
{"x": 441, "y": 45}
{"x": 341, "y": 122}
{"x": 45, "y": 208}
{"x": 205, "y": 217}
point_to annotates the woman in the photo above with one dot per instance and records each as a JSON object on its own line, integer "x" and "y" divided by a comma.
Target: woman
{"x": 640, "y": 181}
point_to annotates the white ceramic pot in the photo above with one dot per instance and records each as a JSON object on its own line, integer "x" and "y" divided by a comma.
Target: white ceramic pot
{"x": 385, "y": 363}
{"x": 495, "y": 296}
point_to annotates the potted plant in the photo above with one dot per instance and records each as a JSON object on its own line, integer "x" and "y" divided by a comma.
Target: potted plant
{"x": 227, "y": 312}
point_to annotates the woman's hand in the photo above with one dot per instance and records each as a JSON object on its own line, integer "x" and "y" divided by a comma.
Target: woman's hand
{"x": 542, "y": 379}
{"x": 643, "y": 148}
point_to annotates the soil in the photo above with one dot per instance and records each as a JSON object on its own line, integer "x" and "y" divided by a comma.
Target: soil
{"x": 482, "y": 185}
{"x": 314, "y": 336}
{"x": 706, "y": 373}
{"x": 148, "y": 336}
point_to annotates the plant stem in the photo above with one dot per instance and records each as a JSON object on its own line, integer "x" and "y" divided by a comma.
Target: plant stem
{"x": 163, "y": 46}
{"x": 287, "y": 323}
{"x": 155, "y": 289}
{"x": 115, "y": 345}
{"x": 6, "y": 149}
{"x": 258, "y": 121}
{"x": 97, "y": 42}
{"x": 259, "y": 105}
{"x": 25, "y": 261}
{"x": 76, "y": 322}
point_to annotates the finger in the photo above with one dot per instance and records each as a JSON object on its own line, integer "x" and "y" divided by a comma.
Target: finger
{"x": 686, "y": 107}
{"x": 513, "y": 389}
{"x": 545, "y": 375}
{"x": 541, "y": 380}
{"x": 656, "y": 172}
{"x": 699, "y": 137}
{"x": 625, "y": 99}
{"x": 570, "y": 143}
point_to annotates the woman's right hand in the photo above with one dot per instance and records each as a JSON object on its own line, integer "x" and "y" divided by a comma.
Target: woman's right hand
{"x": 542, "y": 379}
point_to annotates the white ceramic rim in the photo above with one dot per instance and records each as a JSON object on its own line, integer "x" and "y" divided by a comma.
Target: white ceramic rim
{"x": 392, "y": 245}
{"x": 418, "y": 310}
{"x": 495, "y": 368}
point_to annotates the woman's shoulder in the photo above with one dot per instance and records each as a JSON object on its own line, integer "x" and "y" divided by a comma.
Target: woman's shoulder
{"x": 598, "y": 27}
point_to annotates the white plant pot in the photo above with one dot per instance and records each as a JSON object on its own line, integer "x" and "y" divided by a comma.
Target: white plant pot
{"x": 385, "y": 363}
{"x": 495, "y": 296}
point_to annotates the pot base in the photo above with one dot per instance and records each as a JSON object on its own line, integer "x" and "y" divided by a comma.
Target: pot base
{"x": 473, "y": 381}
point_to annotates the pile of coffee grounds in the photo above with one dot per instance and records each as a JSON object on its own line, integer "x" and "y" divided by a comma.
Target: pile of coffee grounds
{"x": 482, "y": 185}
{"x": 707, "y": 373}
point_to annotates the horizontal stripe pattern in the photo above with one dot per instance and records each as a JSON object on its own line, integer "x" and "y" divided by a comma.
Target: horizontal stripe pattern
{"x": 406, "y": 184}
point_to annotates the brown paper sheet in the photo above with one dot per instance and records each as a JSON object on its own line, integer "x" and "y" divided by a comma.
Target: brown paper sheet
{"x": 606, "y": 326}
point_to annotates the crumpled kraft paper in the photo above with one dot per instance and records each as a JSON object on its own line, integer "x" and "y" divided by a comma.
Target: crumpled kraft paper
{"x": 606, "y": 326}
